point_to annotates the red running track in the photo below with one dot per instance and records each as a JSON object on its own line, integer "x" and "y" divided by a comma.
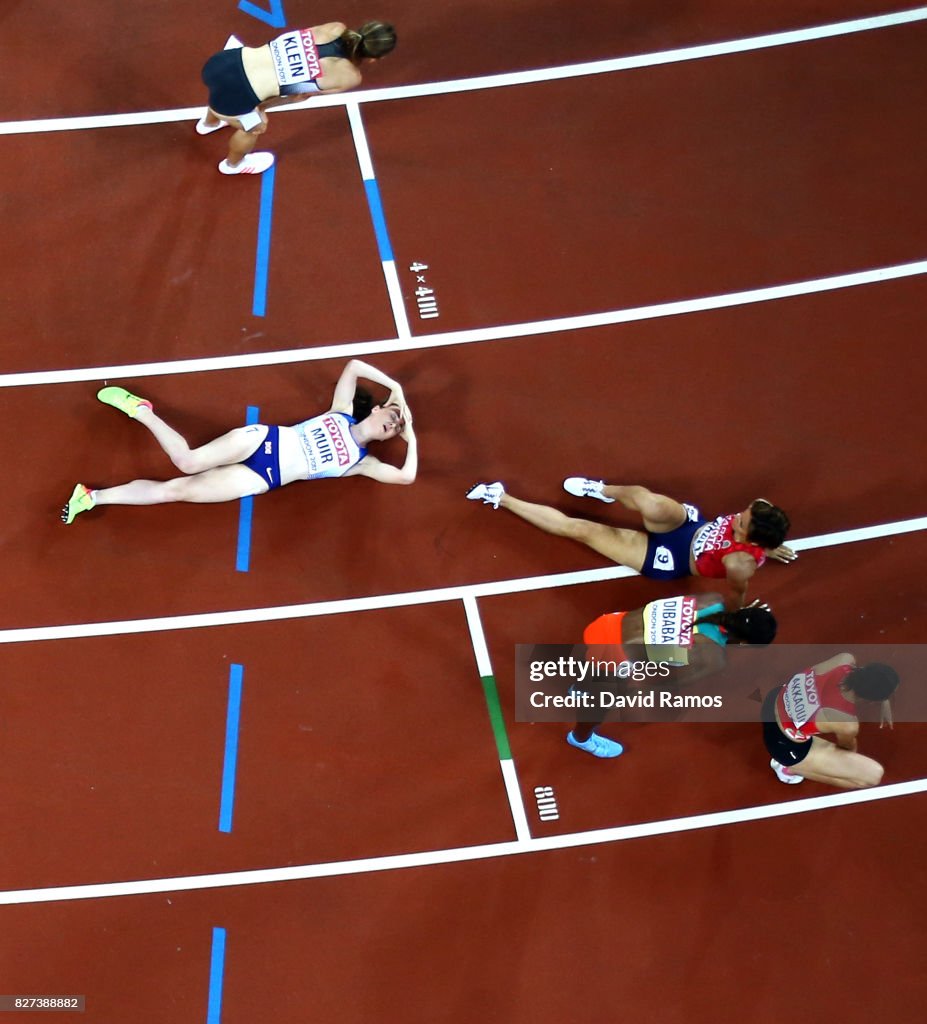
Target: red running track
{"x": 366, "y": 734}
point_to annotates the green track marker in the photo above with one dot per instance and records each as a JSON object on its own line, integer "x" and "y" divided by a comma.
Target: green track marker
{"x": 495, "y": 716}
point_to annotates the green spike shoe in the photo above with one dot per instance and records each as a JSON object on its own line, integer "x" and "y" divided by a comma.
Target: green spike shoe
{"x": 120, "y": 399}
{"x": 80, "y": 501}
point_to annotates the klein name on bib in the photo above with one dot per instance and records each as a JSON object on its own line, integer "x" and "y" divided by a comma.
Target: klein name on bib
{"x": 670, "y": 621}
{"x": 296, "y": 60}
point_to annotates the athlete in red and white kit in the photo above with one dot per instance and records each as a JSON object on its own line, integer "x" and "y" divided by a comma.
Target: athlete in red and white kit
{"x": 259, "y": 458}
{"x": 824, "y": 699}
{"x": 677, "y": 540}
{"x": 245, "y": 81}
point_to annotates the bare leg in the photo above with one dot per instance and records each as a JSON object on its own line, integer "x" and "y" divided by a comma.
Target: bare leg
{"x": 235, "y": 446}
{"x": 583, "y": 730}
{"x": 243, "y": 142}
{"x": 626, "y": 547}
{"x": 225, "y": 483}
{"x": 660, "y": 513}
{"x": 240, "y": 145}
{"x": 211, "y": 119}
{"x": 845, "y": 769}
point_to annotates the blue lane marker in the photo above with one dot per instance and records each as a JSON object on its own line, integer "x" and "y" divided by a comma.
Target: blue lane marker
{"x": 230, "y": 762}
{"x": 245, "y": 509}
{"x": 274, "y": 16}
{"x": 262, "y": 257}
{"x": 379, "y": 221}
{"x": 216, "y": 971}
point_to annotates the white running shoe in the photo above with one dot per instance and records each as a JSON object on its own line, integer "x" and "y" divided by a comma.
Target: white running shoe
{"x": 207, "y": 129}
{"x": 489, "y": 494}
{"x": 783, "y": 774}
{"x": 253, "y": 163}
{"x": 598, "y": 746}
{"x": 583, "y": 488}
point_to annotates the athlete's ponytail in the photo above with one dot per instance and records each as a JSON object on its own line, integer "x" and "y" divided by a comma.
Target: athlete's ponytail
{"x": 372, "y": 40}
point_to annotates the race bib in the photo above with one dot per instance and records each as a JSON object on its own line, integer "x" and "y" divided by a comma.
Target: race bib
{"x": 296, "y": 60}
{"x": 715, "y": 536}
{"x": 800, "y": 698}
{"x": 663, "y": 559}
{"x": 327, "y": 445}
{"x": 670, "y": 621}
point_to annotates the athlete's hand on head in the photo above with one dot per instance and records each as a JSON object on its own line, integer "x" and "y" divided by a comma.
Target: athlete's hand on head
{"x": 407, "y": 430}
{"x": 397, "y": 397}
{"x": 783, "y": 553}
{"x": 759, "y": 604}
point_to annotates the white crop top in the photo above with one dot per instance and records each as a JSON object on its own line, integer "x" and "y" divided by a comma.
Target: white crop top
{"x": 328, "y": 446}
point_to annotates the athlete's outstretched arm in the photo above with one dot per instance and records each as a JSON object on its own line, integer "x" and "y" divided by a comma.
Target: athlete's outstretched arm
{"x": 383, "y": 472}
{"x": 739, "y": 568}
{"x": 343, "y": 398}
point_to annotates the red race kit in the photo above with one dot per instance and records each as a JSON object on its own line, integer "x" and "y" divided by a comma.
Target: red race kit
{"x": 714, "y": 542}
{"x": 804, "y": 695}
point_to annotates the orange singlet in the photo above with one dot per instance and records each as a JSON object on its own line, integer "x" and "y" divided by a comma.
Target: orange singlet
{"x": 606, "y": 632}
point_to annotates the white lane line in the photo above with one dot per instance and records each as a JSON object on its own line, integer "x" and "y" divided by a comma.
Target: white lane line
{"x": 378, "y": 215}
{"x": 409, "y": 599}
{"x": 506, "y": 763}
{"x": 600, "y": 67}
{"x": 360, "y": 349}
{"x": 830, "y": 540}
{"x": 477, "y": 636}
{"x": 513, "y": 791}
{"x": 460, "y": 855}
{"x": 396, "y": 301}
{"x": 360, "y": 140}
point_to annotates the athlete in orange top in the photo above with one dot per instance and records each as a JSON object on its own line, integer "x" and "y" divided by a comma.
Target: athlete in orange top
{"x": 689, "y": 633}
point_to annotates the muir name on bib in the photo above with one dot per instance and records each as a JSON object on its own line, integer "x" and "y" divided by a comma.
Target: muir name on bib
{"x": 328, "y": 446}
